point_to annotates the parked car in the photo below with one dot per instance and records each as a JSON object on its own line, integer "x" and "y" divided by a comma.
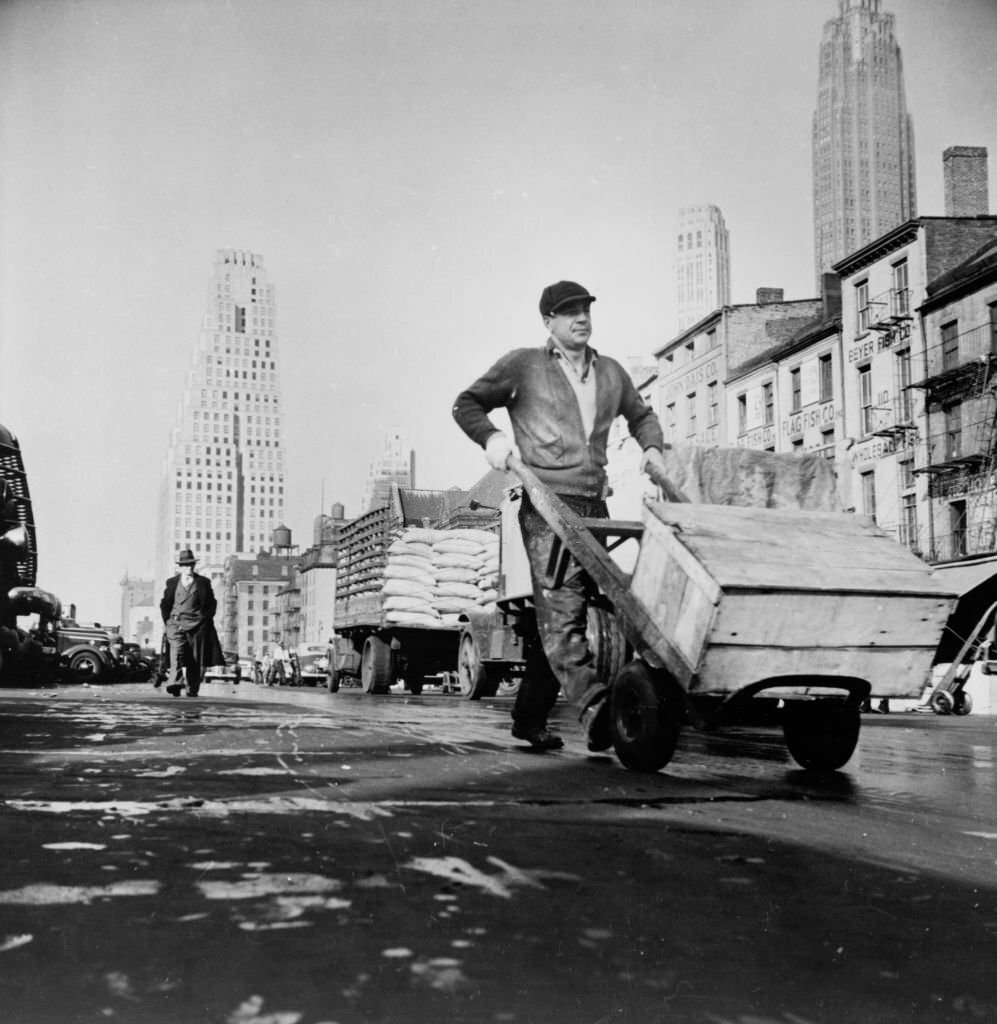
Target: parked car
{"x": 231, "y": 671}
{"x": 136, "y": 664}
{"x": 313, "y": 664}
{"x": 85, "y": 653}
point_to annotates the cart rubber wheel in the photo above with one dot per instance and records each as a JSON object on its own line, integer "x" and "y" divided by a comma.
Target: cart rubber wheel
{"x": 963, "y": 703}
{"x": 376, "y": 673}
{"x": 474, "y": 678}
{"x": 606, "y": 641}
{"x": 821, "y": 734}
{"x": 332, "y": 680}
{"x": 942, "y": 702}
{"x": 644, "y": 716}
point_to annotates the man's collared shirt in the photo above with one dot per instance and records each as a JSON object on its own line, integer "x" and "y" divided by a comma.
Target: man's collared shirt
{"x": 583, "y": 384}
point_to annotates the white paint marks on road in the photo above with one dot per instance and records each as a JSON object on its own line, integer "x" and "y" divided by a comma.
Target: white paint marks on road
{"x": 281, "y": 898}
{"x": 251, "y": 1012}
{"x": 73, "y": 846}
{"x": 982, "y": 835}
{"x": 256, "y": 771}
{"x": 442, "y": 973}
{"x": 501, "y": 884}
{"x": 256, "y": 885}
{"x": 166, "y": 773}
{"x": 9, "y": 942}
{"x": 43, "y": 894}
{"x": 123, "y": 808}
{"x": 396, "y": 953}
{"x": 120, "y": 985}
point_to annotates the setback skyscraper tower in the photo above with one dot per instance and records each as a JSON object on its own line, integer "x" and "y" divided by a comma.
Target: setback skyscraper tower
{"x": 702, "y": 263}
{"x": 222, "y": 489}
{"x": 863, "y": 137}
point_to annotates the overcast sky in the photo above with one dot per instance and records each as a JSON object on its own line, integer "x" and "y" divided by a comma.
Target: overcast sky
{"x": 413, "y": 173}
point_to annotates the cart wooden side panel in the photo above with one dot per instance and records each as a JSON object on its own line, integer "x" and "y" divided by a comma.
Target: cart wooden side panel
{"x": 753, "y": 594}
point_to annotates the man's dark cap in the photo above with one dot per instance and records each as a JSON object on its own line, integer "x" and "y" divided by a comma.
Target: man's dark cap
{"x": 554, "y": 296}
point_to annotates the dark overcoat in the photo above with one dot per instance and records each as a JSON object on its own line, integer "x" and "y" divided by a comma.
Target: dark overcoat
{"x": 207, "y": 648}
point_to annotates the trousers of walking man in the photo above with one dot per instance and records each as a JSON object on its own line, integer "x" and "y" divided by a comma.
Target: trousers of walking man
{"x": 561, "y": 398}
{"x": 188, "y": 610}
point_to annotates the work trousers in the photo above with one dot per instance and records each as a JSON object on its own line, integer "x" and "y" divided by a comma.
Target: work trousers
{"x": 181, "y": 658}
{"x": 562, "y": 658}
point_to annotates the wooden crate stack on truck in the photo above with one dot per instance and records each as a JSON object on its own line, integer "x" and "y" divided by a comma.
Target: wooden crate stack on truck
{"x": 400, "y": 595}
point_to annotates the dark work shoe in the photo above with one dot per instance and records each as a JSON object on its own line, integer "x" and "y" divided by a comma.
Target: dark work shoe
{"x": 596, "y": 724}
{"x": 538, "y": 737}
{"x": 174, "y": 689}
{"x": 193, "y": 692}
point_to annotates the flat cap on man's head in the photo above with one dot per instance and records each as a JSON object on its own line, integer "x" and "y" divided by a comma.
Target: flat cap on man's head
{"x": 554, "y": 296}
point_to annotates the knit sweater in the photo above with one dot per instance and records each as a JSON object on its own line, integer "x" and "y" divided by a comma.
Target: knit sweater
{"x": 546, "y": 420}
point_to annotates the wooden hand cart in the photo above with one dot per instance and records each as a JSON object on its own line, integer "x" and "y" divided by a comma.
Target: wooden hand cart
{"x": 725, "y": 603}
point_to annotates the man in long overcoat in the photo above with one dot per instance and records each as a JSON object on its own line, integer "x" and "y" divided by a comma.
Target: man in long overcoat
{"x": 188, "y": 610}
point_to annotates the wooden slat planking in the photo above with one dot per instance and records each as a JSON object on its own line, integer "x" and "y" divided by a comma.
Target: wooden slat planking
{"x": 891, "y": 671}
{"x": 744, "y": 547}
{"x": 791, "y": 619}
{"x": 676, "y": 591}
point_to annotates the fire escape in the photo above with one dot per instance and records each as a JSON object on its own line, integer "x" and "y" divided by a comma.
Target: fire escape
{"x": 960, "y": 450}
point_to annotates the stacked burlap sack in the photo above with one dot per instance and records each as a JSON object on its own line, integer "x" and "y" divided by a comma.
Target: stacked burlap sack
{"x": 432, "y": 576}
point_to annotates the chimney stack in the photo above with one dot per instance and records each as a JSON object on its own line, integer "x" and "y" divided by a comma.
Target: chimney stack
{"x": 965, "y": 172}
{"x": 766, "y": 296}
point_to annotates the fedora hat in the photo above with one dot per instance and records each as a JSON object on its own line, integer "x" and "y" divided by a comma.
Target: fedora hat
{"x": 186, "y": 557}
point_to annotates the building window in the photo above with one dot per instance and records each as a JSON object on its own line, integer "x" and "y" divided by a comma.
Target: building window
{"x": 826, "y": 377}
{"x": 906, "y": 467}
{"x": 950, "y": 346}
{"x": 713, "y": 392}
{"x": 768, "y": 400}
{"x": 908, "y": 521}
{"x": 953, "y": 430}
{"x": 957, "y": 526}
{"x": 862, "y": 306}
{"x": 691, "y": 413}
{"x": 670, "y": 421}
{"x": 869, "y": 494}
{"x": 865, "y": 400}
{"x": 827, "y": 443}
{"x": 240, "y": 320}
{"x": 903, "y": 385}
{"x": 900, "y": 296}
{"x": 796, "y": 389}
{"x": 742, "y": 414}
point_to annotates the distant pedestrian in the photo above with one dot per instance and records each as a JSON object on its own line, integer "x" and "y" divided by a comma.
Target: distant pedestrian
{"x": 188, "y": 610}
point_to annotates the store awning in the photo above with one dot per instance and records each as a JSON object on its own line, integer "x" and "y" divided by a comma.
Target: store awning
{"x": 976, "y": 584}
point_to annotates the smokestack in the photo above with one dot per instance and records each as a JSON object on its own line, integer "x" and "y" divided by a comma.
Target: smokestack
{"x": 765, "y": 296}
{"x": 965, "y": 173}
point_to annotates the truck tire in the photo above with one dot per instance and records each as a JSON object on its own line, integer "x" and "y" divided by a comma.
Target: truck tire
{"x": 86, "y": 665}
{"x": 332, "y": 679}
{"x": 474, "y": 678}
{"x": 645, "y": 717}
{"x": 376, "y": 666}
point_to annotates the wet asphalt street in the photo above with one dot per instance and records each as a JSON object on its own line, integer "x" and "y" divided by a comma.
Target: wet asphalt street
{"x": 297, "y": 857}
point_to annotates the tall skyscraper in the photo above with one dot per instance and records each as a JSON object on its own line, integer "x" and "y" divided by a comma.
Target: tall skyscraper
{"x": 702, "y": 263}
{"x": 863, "y": 137}
{"x": 222, "y": 489}
{"x": 395, "y": 465}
